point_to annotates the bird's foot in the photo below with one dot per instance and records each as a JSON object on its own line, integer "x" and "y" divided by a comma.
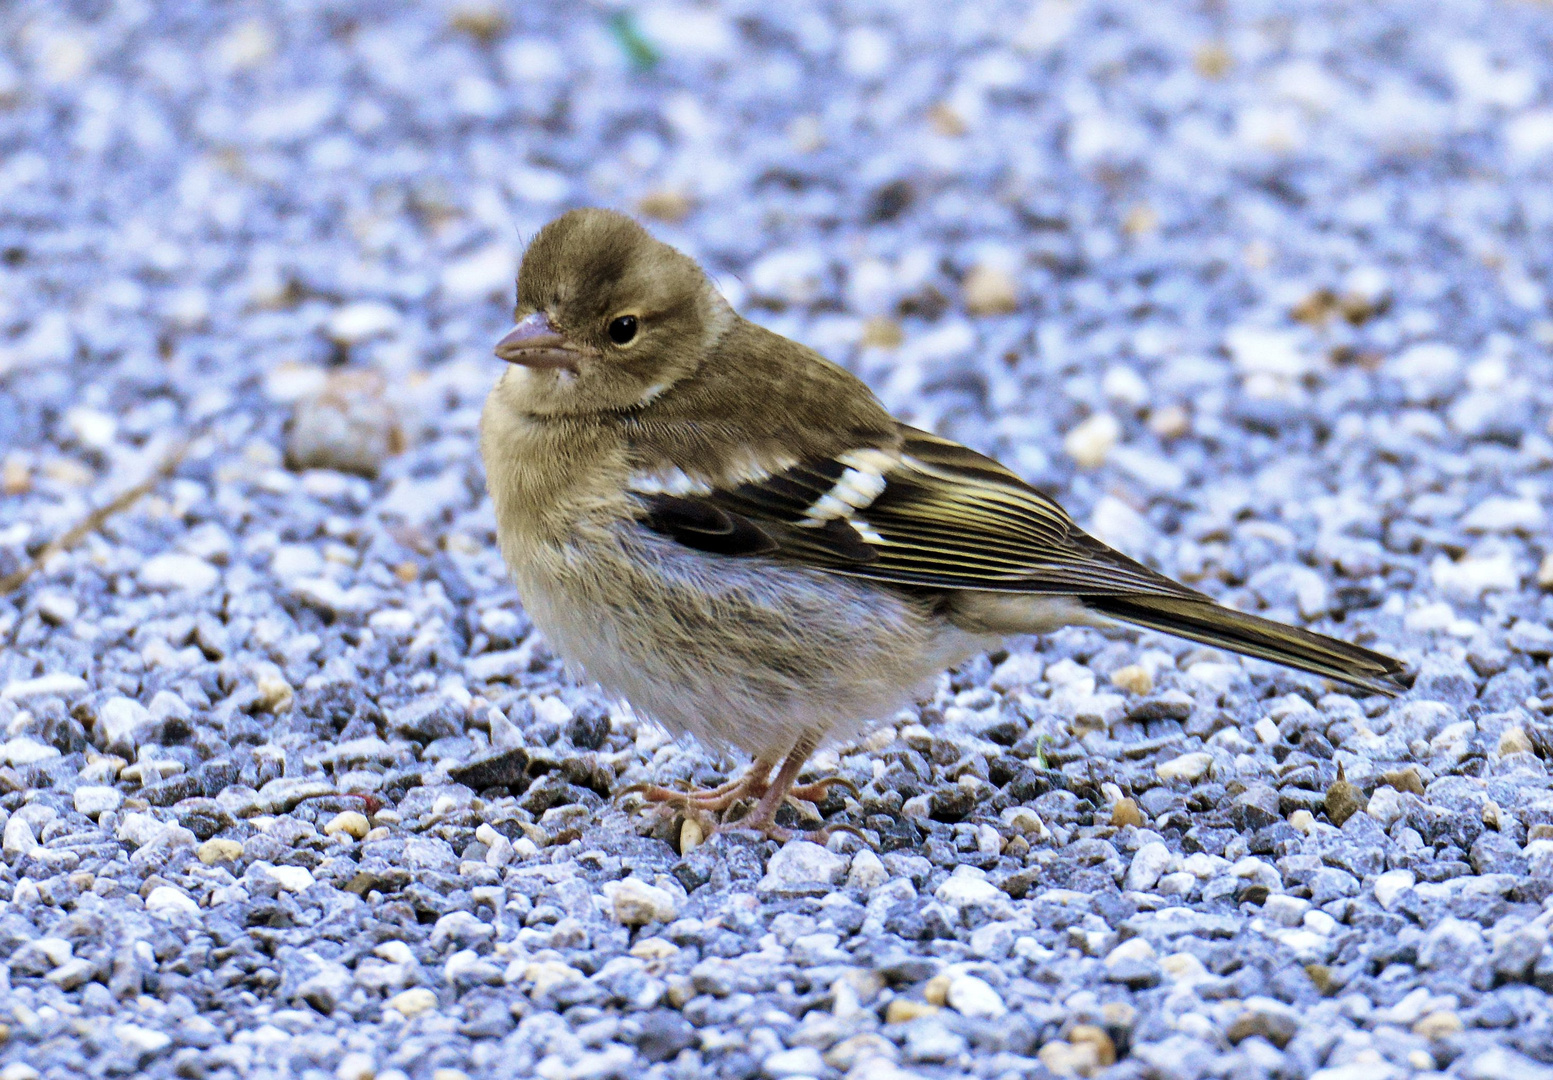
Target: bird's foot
{"x": 709, "y": 800}
{"x": 819, "y": 791}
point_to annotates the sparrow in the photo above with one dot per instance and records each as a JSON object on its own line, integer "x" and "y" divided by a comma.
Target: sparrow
{"x": 730, "y": 532}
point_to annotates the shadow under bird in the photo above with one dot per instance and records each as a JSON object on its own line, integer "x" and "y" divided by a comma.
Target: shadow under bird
{"x": 730, "y": 532}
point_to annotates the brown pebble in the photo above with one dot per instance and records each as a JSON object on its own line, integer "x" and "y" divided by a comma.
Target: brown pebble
{"x": 1141, "y": 220}
{"x": 905, "y": 1010}
{"x": 1321, "y": 976}
{"x": 15, "y": 477}
{"x": 1105, "y": 1049}
{"x": 1404, "y": 780}
{"x": 1344, "y": 800}
{"x": 1276, "y": 1028}
{"x": 670, "y": 206}
{"x": 1125, "y": 813}
{"x": 881, "y": 333}
{"x": 988, "y": 290}
{"x": 946, "y": 122}
{"x": 1170, "y": 422}
{"x": 1134, "y": 678}
{"x": 1212, "y": 60}
{"x": 483, "y": 22}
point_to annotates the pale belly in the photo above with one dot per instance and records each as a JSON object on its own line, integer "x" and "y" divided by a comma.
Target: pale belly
{"x": 741, "y": 652}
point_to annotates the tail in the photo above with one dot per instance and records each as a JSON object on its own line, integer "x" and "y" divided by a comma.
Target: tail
{"x": 1213, "y": 624}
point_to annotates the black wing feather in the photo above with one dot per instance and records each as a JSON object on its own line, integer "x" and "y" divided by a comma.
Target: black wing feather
{"x": 947, "y": 517}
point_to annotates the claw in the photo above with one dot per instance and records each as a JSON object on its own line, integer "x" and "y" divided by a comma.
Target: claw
{"x": 819, "y": 790}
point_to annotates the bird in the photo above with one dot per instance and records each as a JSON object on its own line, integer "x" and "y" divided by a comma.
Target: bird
{"x": 731, "y": 532}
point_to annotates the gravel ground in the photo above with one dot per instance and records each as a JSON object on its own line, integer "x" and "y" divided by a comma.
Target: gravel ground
{"x": 1258, "y": 289}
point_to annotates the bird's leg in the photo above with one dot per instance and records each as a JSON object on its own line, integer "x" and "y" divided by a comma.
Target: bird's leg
{"x": 753, "y": 784}
{"x": 763, "y": 818}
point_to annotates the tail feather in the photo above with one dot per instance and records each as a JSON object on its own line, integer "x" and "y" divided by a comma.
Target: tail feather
{"x": 1212, "y": 624}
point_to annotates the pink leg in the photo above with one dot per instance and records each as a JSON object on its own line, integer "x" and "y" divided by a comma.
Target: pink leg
{"x": 752, "y": 784}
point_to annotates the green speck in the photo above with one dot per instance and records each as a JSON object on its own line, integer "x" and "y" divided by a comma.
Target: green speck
{"x": 1041, "y": 743}
{"x": 637, "y": 48}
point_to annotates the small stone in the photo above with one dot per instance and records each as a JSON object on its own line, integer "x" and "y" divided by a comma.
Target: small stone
{"x": 691, "y": 835}
{"x": 936, "y": 990}
{"x": 291, "y": 878}
{"x": 797, "y": 1062}
{"x": 94, "y": 799}
{"x": 1097, "y": 1037}
{"x": 653, "y": 948}
{"x": 904, "y": 1010}
{"x": 1134, "y": 679}
{"x": 169, "y": 901}
{"x": 1343, "y": 801}
{"x": 186, "y": 573}
{"x": 219, "y": 849}
{"x": 1545, "y": 571}
{"x": 19, "y": 837}
{"x": 1404, "y": 780}
{"x": 1470, "y": 577}
{"x": 141, "y": 1039}
{"x": 857, "y": 1048}
{"x": 1149, "y": 862}
{"x": 1514, "y": 740}
{"x": 348, "y": 426}
{"x": 1303, "y": 821}
{"x": 968, "y": 887}
{"x": 1276, "y": 1025}
{"x": 636, "y": 903}
{"x": 1125, "y": 813}
{"x": 1385, "y": 806}
{"x": 355, "y": 1066}
{"x": 1069, "y": 1059}
{"x": 1189, "y": 767}
{"x": 72, "y": 974}
{"x": 58, "y": 608}
{"x": 1090, "y": 442}
{"x": 670, "y": 206}
{"x": 973, "y": 997}
{"x": 1019, "y": 670}
{"x": 15, "y": 477}
{"x": 1285, "y": 910}
{"x": 867, "y": 871}
{"x": 1390, "y": 884}
{"x": 498, "y": 770}
{"x": 1438, "y": 1025}
{"x": 355, "y": 323}
{"x": 880, "y": 332}
{"x": 53, "y": 685}
{"x": 802, "y": 865}
{"x": 989, "y": 290}
{"x": 412, "y": 1002}
{"x": 275, "y": 693}
{"x": 945, "y": 121}
{"x": 1256, "y": 808}
{"x": 350, "y": 822}
{"x": 24, "y": 751}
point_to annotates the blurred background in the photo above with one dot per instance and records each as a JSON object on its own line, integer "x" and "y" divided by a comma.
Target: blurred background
{"x": 1176, "y": 262}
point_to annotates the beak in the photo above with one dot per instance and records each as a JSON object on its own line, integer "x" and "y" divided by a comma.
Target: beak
{"x": 535, "y": 343}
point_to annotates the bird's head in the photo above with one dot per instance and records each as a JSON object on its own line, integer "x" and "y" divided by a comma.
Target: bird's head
{"x": 608, "y": 318}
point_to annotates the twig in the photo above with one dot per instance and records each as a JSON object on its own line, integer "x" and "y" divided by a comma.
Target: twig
{"x": 95, "y": 520}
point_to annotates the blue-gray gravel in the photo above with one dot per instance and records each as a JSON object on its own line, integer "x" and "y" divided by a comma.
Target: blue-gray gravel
{"x": 1259, "y": 290}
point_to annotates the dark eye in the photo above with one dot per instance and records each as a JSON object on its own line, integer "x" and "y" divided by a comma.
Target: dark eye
{"x": 622, "y": 330}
